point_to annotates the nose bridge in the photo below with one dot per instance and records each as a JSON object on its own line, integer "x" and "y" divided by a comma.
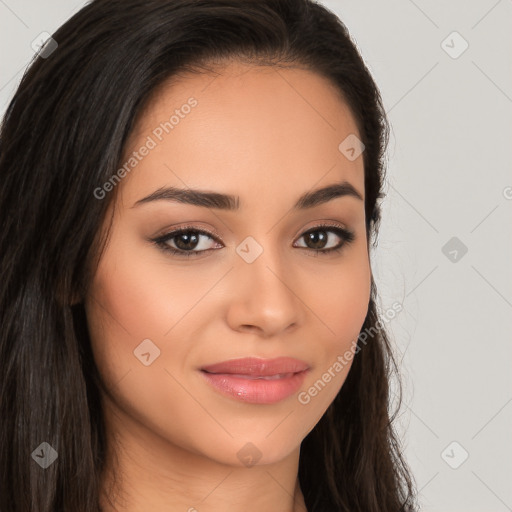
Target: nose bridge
{"x": 263, "y": 294}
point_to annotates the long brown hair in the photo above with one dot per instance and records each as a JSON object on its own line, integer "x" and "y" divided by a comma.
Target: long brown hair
{"x": 62, "y": 137}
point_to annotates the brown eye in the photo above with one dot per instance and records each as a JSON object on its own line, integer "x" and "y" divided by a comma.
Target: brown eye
{"x": 319, "y": 237}
{"x": 185, "y": 242}
{"x": 189, "y": 241}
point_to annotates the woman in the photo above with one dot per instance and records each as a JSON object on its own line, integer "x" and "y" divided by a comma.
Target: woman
{"x": 167, "y": 169}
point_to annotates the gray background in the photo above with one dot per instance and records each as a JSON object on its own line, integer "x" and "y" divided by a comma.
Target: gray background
{"x": 449, "y": 175}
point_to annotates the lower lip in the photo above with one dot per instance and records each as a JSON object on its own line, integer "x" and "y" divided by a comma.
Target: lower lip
{"x": 256, "y": 391}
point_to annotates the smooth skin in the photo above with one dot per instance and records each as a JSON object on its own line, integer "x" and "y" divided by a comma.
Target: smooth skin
{"x": 267, "y": 135}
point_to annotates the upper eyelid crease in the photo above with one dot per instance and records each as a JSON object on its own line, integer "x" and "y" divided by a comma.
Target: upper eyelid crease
{"x": 227, "y": 202}
{"x": 185, "y": 228}
{"x": 342, "y": 232}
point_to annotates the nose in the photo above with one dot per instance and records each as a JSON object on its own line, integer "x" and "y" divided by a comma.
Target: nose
{"x": 263, "y": 297}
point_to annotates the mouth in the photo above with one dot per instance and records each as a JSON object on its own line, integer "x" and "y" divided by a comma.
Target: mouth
{"x": 257, "y": 381}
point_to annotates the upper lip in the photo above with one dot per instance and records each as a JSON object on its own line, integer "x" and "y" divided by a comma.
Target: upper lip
{"x": 258, "y": 367}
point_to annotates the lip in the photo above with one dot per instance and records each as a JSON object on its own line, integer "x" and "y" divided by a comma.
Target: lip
{"x": 257, "y": 381}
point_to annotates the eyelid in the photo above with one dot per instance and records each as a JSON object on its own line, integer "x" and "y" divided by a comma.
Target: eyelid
{"x": 175, "y": 231}
{"x": 340, "y": 230}
{"x": 322, "y": 224}
{"x": 347, "y": 237}
{"x": 213, "y": 234}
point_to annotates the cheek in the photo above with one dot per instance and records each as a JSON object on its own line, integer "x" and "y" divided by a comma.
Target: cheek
{"x": 128, "y": 302}
{"x": 341, "y": 302}
{"x": 140, "y": 297}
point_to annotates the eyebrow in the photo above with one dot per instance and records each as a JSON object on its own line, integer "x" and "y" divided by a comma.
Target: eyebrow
{"x": 227, "y": 202}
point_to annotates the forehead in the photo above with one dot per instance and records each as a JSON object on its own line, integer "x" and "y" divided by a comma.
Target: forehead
{"x": 243, "y": 129}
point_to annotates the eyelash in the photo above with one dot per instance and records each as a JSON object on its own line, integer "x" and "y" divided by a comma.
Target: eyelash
{"x": 346, "y": 235}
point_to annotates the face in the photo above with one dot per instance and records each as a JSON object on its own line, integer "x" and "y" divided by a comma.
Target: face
{"x": 258, "y": 276}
